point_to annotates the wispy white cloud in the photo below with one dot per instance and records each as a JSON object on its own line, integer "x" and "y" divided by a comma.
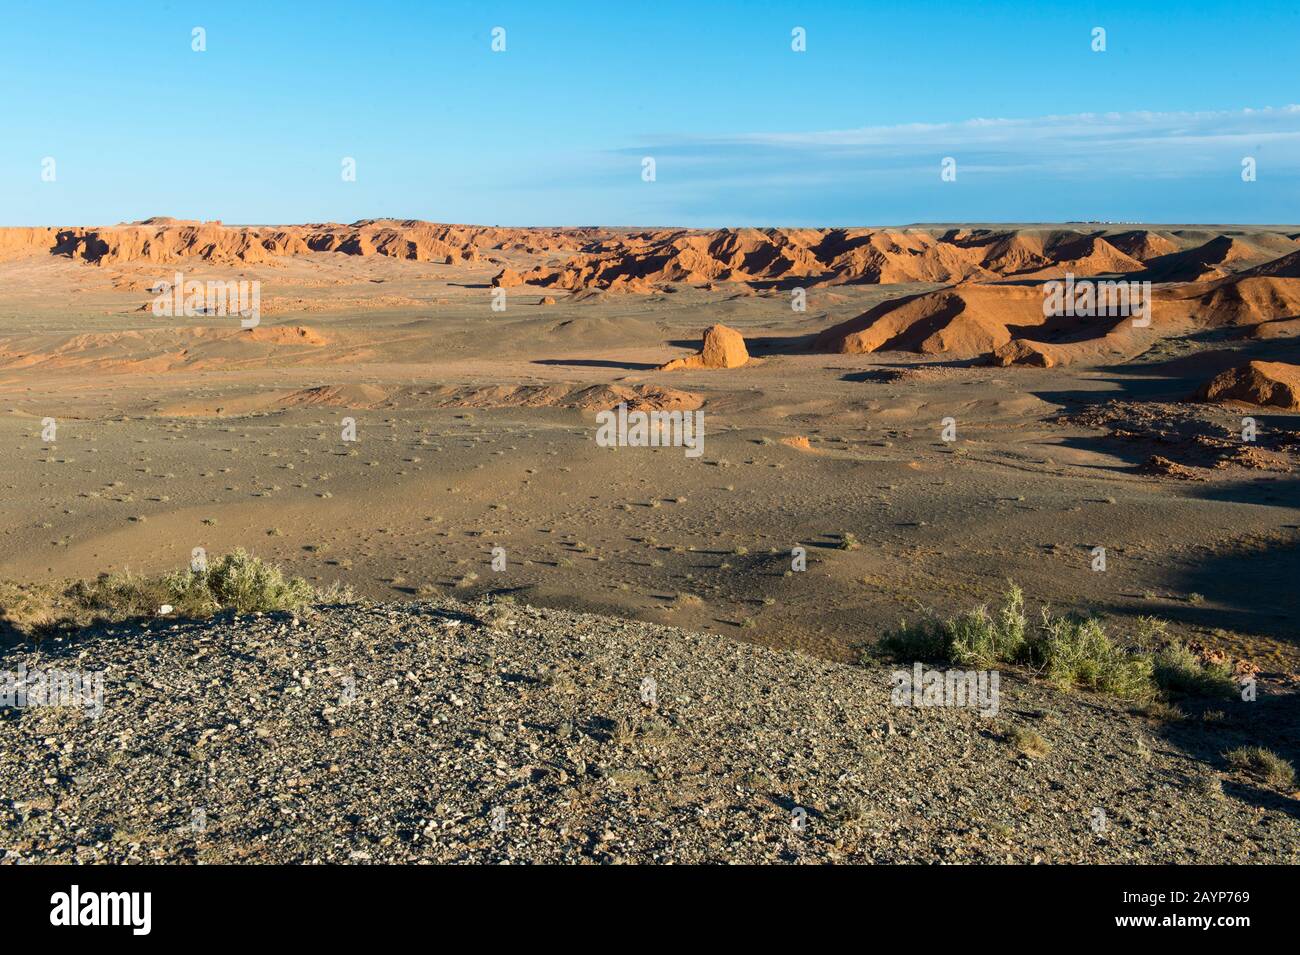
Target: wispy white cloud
{"x": 1131, "y": 166}
{"x": 1133, "y": 143}
{"x": 1191, "y": 127}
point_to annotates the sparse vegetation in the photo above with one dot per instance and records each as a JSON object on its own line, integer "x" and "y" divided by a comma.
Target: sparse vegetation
{"x": 1162, "y": 712}
{"x": 237, "y": 581}
{"x": 1072, "y": 651}
{"x": 1179, "y": 670}
{"x": 928, "y": 640}
{"x": 975, "y": 638}
{"x": 1028, "y": 742}
{"x": 1076, "y": 652}
{"x": 1264, "y": 764}
{"x": 982, "y": 640}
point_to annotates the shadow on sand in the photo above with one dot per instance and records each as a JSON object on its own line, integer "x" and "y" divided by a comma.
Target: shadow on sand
{"x": 596, "y": 363}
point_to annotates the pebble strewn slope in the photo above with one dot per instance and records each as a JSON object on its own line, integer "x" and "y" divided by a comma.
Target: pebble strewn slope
{"x": 440, "y": 732}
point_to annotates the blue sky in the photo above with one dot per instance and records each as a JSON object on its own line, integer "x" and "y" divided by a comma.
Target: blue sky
{"x": 743, "y": 130}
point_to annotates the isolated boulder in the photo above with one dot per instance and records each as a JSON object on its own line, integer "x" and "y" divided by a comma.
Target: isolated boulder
{"x": 723, "y": 348}
{"x": 1019, "y": 351}
{"x": 1258, "y": 383}
{"x": 507, "y": 278}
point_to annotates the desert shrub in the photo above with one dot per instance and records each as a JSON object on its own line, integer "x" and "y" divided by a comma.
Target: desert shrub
{"x": 237, "y": 581}
{"x": 927, "y": 640}
{"x": 1263, "y": 764}
{"x": 246, "y": 584}
{"x": 1178, "y": 670}
{"x": 975, "y": 638}
{"x": 1161, "y": 711}
{"x": 1150, "y": 634}
{"x": 981, "y": 640}
{"x": 119, "y": 596}
{"x": 1074, "y": 652}
{"x": 1071, "y": 651}
{"x": 25, "y": 607}
{"x": 1028, "y": 742}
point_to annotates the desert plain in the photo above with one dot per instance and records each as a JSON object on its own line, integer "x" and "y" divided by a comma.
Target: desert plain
{"x": 474, "y": 426}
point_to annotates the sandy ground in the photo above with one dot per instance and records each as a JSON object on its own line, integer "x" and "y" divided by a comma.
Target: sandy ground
{"x": 471, "y": 434}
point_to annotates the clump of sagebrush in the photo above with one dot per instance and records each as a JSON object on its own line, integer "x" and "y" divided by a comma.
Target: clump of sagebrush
{"x": 24, "y": 607}
{"x": 1076, "y": 652}
{"x": 975, "y": 638}
{"x": 1264, "y": 764}
{"x": 1177, "y": 669}
{"x": 237, "y": 581}
{"x": 981, "y": 639}
{"x": 927, "y": 640}
{"x": 243, "y": 583}
{"x": 1072, "y": 651}
{"x": 1028, "y": 742}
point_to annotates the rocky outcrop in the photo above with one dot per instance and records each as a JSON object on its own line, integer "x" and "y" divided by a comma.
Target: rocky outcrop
{"x": 1271, "y": 383}
{"x": 723, "y": 348}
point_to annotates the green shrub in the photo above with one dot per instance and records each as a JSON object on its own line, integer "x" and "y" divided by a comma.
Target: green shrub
{"x": 982, "y": 641}
{"x": 1074, "y": 652}
{"x": 238, "y": 581}
{"x": 974, "y": 638}
{"x": 246, "y": 584}
{"x": 926, "y": 641}
{"x": 1150, "y": 634}
{"x": 1264, "y": 764}
{"x": 1179, "y": 670}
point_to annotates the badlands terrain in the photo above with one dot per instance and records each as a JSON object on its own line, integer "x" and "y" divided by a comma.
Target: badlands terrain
{"x": 893, "y": 401}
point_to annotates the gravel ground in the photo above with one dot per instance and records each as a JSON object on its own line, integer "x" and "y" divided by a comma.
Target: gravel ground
{"x": 445, "y": 732}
